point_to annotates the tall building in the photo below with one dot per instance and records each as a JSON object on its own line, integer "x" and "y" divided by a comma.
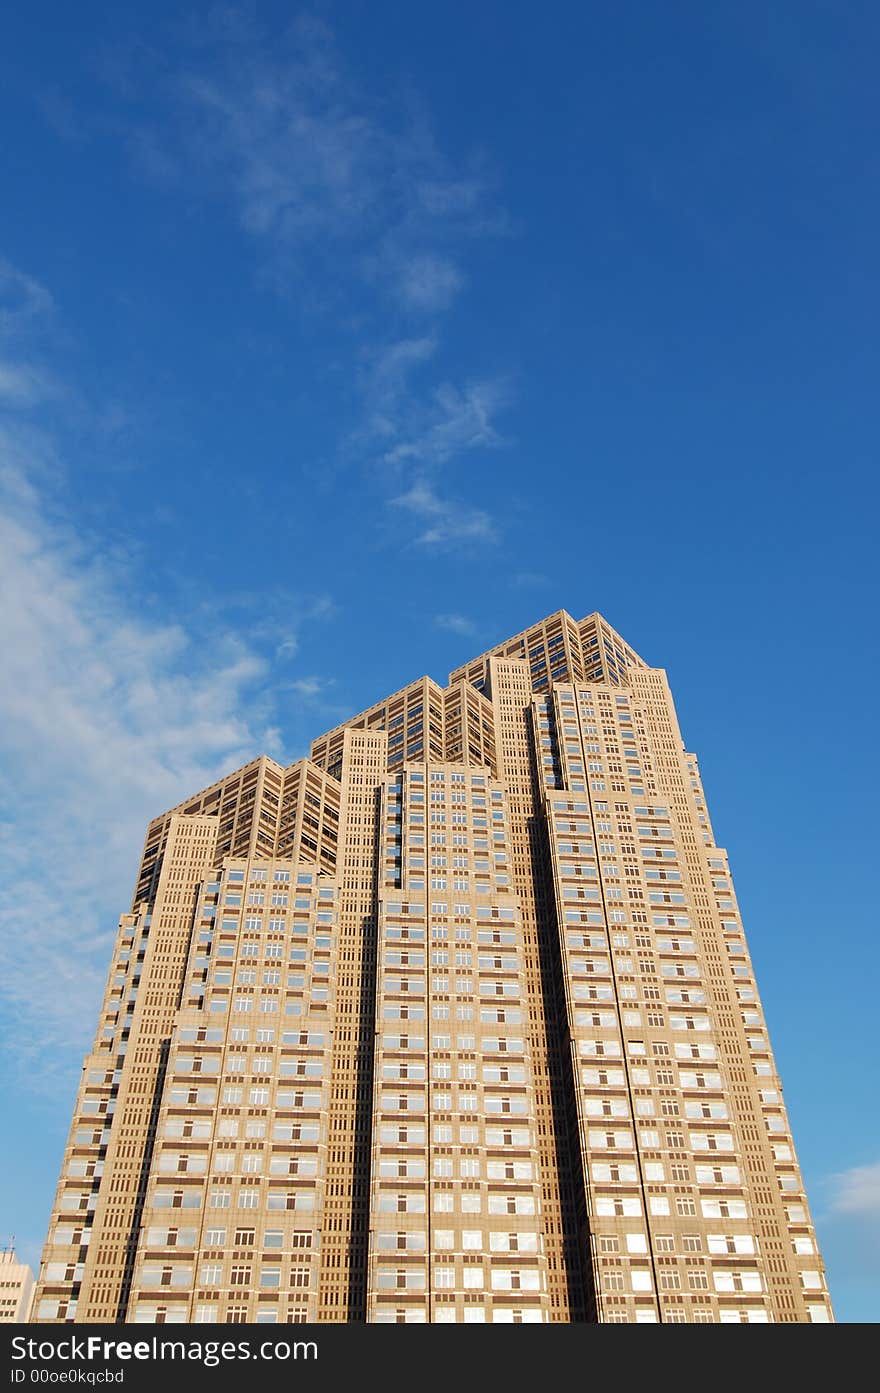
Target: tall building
{"x": 453, "y": 1021}
{"x": 16, "y": 1287}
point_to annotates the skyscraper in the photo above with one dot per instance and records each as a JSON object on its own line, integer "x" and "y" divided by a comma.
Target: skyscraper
{"x": 453, "y": 1021}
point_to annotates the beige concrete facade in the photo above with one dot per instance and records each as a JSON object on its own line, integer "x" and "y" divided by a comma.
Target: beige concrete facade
{"x": 16, "y": 1288}
{"x": 453, "y": 1021}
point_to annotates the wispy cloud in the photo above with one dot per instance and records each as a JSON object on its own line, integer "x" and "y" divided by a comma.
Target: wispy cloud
{"x": 24, "y": 302}
{"x": 429, "y": 283}
{"x": 522, "y": 580}
{"x": 452, "y": 422}
{"x": 848, "y": 1230}
{"x": 456, "y": 623}
{"x": 23, "y": 386}
{"x": 857, "y": 1192}
{"x": 61, "y": 115}
{"x": 385, "y": 380}
{"x": 450, "y": 524}
{"x": 25, "y": 309}
{"x": 106, "y": 718}
{"x": 311, "y": 686}
{"x": 354, "y": 210}
{"x": 408, "y": 426}
{"x": 315, "y": 164}
{"x": 275, "y": 619}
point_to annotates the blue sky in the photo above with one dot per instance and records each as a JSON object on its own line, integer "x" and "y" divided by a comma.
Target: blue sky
{"x": 337, "y": 344}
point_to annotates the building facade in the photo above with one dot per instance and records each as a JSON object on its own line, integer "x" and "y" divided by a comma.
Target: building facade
{"x": 453, "y": 1021}
{"x": 16, "y": 1288}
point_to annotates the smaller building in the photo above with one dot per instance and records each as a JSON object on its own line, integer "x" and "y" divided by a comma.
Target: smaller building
{"x": 16, "y": 1288}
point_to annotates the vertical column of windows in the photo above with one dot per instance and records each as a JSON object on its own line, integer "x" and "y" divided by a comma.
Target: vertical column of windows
{"x": 688, "y": 1150}
{"x": 511, "y": 692}
{"x": 234, "y": 1206}
{"x": 342, "y": 1288}
{"x": 153, "y": 998}
{"x": 741, "y": 1049}
{"x": 456, "y": 1201}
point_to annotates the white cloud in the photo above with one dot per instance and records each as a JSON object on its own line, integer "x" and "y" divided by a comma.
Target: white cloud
{"x": 458, "y": 198}
{"x": 310, "y": 686}
{"x": 389, "y": 368}
{"x": 527, "y": 579}
{"x": 409, "y": 426}
{"x": 450, "y": 524}
{"x": 384, "y": 381}
{"x": 456, "y": 623}
{"x": 25, "y": 310}
{"x": 22, "y": 385}
{"x": 313, "y": 161}
{"x": 429, "y": 283}
{"x": 61, "y": 115}
{"x": 106, "y": 719}
{"x": 23, "y": 301}
{"x": 274, "y": 618}
{"x": 302, "y": 165}
{"x": 857, "y": 1192}
{"x": 27, "y": 457}
{"x": 351, "y": 201}
{"x": 453, "y": 421}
